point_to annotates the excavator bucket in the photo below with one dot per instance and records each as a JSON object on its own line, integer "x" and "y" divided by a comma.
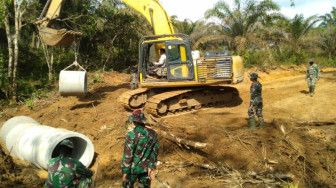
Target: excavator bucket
{"x": 54, "y": 37}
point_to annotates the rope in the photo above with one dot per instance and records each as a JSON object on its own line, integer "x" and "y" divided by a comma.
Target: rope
{"x": 75, "y": 63}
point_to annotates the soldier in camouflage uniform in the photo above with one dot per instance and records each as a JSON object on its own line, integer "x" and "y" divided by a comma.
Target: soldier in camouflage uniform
{"x": 256, "y": 103}
{"x": 64, "y": 171}
{"x": 312, "y": 75}
{"x": 135, "y": 80}
{"x": 140, "y": 153}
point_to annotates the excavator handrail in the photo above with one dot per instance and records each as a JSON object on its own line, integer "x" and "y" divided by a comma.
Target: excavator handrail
{"x": 171, "y": 36}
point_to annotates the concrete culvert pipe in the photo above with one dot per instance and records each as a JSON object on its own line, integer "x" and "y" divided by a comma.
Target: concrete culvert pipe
{"x": 28, "y": 140}
{"x": 73, "y": 83}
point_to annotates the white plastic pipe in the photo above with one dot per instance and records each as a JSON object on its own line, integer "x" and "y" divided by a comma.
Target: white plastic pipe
{"x": 28, "y": 140}
{"x": 73, "y": 83}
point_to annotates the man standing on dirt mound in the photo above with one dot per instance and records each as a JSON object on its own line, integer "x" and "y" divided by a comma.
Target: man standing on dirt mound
{"x": 140, "y": 153}
{"x": 312, "y": 75}
{"x": 64, "y": 171}
{"x": 256, "y": 103}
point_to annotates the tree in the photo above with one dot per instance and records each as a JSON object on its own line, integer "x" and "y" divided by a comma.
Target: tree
{"x": 240, "y": 24}
{"x": 13, "y": 38}
{"x": 297, "y": 29}
{"x": 5, "y": 15}
{"x": 328, "y": 36}
{"x": 196, "y": 30}
{"x": 329, "y": 19}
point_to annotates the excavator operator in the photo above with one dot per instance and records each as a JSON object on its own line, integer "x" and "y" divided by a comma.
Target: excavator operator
{"x": 160, "y": 69}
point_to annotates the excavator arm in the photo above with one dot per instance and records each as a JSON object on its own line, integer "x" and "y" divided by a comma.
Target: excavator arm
{"x": 50, "y": 36}
{"x": 155, "y": 15}
{"x": 150, "y": 9}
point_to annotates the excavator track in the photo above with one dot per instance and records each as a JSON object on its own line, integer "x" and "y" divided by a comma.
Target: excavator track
{"x": 187, "y": 99}
{"x": 134, "y": 98}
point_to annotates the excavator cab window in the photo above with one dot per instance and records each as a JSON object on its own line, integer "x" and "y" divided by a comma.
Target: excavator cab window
{"x": 179, "y": 61}
{"x": 150, "y": 52}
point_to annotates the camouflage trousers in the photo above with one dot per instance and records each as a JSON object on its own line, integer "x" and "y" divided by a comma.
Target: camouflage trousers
{"x": 143, "y": 180}
{"x": 84, "y": 182}
{"x": 134, "y": 86}
{"x": 311, "y": 81}
{"x": 255, "y": 108}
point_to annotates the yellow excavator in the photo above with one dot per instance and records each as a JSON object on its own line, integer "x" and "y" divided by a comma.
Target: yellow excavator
{"x": 186, "y": 82}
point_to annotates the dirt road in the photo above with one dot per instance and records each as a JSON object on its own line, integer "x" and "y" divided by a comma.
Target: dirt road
{"x": 297, "y": 144}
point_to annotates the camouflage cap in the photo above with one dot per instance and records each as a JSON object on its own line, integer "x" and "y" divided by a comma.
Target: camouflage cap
{"x": 67, "y": 143}
{"x": 311, "y": 61}
{"x": 137, "y": 116}
{"x": 254, "y": 75}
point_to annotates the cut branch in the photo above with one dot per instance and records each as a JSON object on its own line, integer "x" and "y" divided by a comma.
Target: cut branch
{"x": 170, "y": 136}
{"x": 173, "y": 138}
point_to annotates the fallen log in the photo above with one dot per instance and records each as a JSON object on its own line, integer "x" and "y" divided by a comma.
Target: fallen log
{"x": 170, "y": 136}
{"x": 316, "y": 123}
{"x": 187, "y": 143}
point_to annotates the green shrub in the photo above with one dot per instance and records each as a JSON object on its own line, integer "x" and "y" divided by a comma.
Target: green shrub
{"x": 252, "y": 59}
{"x": 98, "y": 78}
{"x": 30, "y": 103}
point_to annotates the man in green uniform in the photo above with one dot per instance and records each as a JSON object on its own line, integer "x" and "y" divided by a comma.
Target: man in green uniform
{"x": 140, "y": 153}
{"x": 135, "y": 80}
{"x": 256, "y": 103}
{"x": 312, "y": 75}
{"x": 64, "y": 171}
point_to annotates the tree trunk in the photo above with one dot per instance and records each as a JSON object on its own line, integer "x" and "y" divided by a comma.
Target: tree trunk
{"x": 49, "y": 59}
{"x": 10, "y": 43}
{"x": 50, "y": 65}
{"x": 33, "y": 42}
{"x": 16, "y": 48}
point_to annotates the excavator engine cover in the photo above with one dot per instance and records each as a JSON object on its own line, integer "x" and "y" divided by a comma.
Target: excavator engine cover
{"x": 54, "y": 37}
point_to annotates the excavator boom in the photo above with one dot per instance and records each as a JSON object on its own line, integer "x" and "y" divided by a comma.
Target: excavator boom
{"x": 155, "y": 15}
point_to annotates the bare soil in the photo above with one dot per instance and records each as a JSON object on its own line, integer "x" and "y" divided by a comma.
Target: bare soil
{"x": 297, "y": 145}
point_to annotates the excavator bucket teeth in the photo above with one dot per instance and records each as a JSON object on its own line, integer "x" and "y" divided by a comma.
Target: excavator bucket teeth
{"x": 54, "y": 37}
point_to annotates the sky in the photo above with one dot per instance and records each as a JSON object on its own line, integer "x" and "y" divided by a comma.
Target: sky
{"x": 195, "y": 9}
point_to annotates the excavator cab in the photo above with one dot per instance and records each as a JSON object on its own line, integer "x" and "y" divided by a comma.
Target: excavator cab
{"x": 179, "y": 65}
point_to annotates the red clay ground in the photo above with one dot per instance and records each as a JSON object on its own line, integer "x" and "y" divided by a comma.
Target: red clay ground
{"x": 296, "y": 146}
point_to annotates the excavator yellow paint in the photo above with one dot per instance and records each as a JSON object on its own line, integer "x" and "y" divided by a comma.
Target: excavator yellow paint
{"x": 140, "y": 77}
{"x": 54, "y": 9}
{"x": 155, "y": 15}
{"x": 183, "y": 53}
{"x": 237, "y": 69}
